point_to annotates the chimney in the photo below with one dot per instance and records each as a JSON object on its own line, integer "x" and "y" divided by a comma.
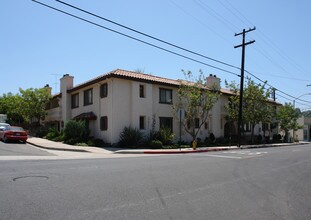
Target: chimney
{"x": 66, "y": 82}
{"x": 213, "y": 82}
{"x": 47, "y": 86}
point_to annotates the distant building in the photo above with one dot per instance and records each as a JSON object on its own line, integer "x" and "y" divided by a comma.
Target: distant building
{"x": 124, "y": 98}
{"x": 3, "y": 118}
{"x": 304, "y": 134}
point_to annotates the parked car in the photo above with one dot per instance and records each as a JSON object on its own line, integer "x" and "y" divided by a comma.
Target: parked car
{"x": 13, "y": 133}
{"x": 3, "y": 126}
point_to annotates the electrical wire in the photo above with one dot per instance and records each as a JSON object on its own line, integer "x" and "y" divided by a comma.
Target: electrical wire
{"x": 134, "y": 38}
{"x": 157, "y": 39}
{"x": 147, "y": 35}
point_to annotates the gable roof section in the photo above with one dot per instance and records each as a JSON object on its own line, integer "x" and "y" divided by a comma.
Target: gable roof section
{"x": 141, "y": 77}
{"x": 129, "y": 75}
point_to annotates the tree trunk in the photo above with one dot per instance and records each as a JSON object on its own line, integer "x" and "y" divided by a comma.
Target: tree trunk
{"x": 252, "y": 134}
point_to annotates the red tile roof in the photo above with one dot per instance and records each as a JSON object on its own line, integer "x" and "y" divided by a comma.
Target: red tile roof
{"x": 131, "y": 75}
{"x": 118, "y": 73}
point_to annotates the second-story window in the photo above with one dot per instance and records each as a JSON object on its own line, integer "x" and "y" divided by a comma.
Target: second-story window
{"x": 142, "y": 91}
{"x": 75, "y": 100}
{"x": 197, "y": 123}
{"x": 88, "y": 97}
{"x": 104, "y": 90}
{"x": 166, "y": 96}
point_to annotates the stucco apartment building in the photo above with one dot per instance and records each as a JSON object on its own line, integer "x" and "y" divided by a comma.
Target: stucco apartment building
{"x": 124, "y": 98}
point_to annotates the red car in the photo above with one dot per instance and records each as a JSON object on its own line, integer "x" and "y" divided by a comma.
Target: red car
{"x": 13, "y": 133}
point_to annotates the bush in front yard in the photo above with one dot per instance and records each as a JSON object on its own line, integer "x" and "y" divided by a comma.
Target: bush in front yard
{"x": 75, "y": 132}
{"x": 53, "y": 133}
{"x": 155, "y": 144}
{"x": 165, "y": 135}
{"x": 96, "y": 143}
{"x": 41, "y": 131}
{"x": 130, "y": 137}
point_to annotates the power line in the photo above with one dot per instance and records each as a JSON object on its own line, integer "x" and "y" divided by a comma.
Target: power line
{"x": 150, "y": 44}
{"x": 162, "y": 41}
{"x": 136, "y": 39}
{"x": 219, "y": 17}
{"x": 275, "y": 88}
{"x": 147, "y": 35}
{"x": 212, "y": 29}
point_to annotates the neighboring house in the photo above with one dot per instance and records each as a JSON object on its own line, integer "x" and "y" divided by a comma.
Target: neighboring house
{"x": 124, "y": 98}
{"x": 3, "y": 118}
{"x": 304, "y": 134}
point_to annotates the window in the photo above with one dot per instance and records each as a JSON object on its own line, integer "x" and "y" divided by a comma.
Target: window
{"x": 196, "y": 122}
{"x": 142, "y": 122}
{"x": 88, "y": 97}
{"x": 104, "y": 90}
{"x": 75, "y": 100}
{"x": 166, "y": 96}
{"x": 206, "y": 126}
{"x": 247, "y": 127}
{"x": 166, "y": 122}
{"x": 141, "y": 91}
{"x": 104, "y": 123}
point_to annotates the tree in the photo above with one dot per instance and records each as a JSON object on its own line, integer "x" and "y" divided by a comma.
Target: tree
{"x": 11, "y": 105}
{"x": 256, "y": 105}
{"x": 287, "y": 117}
{"x": 197, "y": 100}
{"x": 34, "y": 103}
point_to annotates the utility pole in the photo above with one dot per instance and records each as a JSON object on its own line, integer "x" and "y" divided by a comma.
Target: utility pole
{"x": 240, "y": 124}
{"x": 273, "y": 94}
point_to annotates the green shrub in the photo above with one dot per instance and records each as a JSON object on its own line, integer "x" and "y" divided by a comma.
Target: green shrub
{"x": 41, "y": 131}
{"x": 130, "y": 137}
{"x": 53, "y": 133}
{"x": 72, "y": 141}
{"x": 75, "y": 132}
{"x": 96, "y": 143}
{"x": 277, "y": 138}
{"x": 58, "y": 139}
{"x": 174, "y": 146}
{"x": 212, "y": 137}
{"x": 165, "y": 135}
{"x": 259, "y": 138}
{"x": 81, "y": 144}
{"x": 155, "y": 144}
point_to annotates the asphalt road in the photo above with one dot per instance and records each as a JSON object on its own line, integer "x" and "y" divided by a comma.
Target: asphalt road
{"x": 21, "y": 149}
{"x": 267, "y": 183}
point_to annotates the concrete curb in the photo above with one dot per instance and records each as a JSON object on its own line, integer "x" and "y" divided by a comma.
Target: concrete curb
{"x": 59, "y": 149}
{"x": 271, "y": 145}
{"x": 186, "y": 151}
{"x": 167, "y": 151}
{"x": 203, "y": 150}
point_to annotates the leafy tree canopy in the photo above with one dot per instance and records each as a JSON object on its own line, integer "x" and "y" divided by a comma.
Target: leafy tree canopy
{"x": 256, "y": 105}
{"x": 26, "y": 106}
{"x": 196, "y": 100}
{"x": 287, "y": 116}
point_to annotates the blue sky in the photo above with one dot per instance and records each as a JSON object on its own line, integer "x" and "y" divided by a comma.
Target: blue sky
{"x": 39, "y": 45}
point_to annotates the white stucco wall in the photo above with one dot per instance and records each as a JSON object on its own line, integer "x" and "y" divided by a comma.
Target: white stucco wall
{"x": 123, "y": 107}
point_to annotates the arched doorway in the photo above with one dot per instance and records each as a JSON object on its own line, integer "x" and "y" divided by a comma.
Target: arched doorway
{"x": 230, "y": 130}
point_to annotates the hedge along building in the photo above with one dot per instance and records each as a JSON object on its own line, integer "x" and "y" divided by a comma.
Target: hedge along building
{"x": 123, "y": 98}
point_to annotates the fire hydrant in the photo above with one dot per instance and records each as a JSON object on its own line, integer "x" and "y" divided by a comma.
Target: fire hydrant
{"x": 194, "y": 145}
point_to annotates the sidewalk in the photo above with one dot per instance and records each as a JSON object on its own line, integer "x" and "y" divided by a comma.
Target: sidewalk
{"x": 51, "y": 145}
